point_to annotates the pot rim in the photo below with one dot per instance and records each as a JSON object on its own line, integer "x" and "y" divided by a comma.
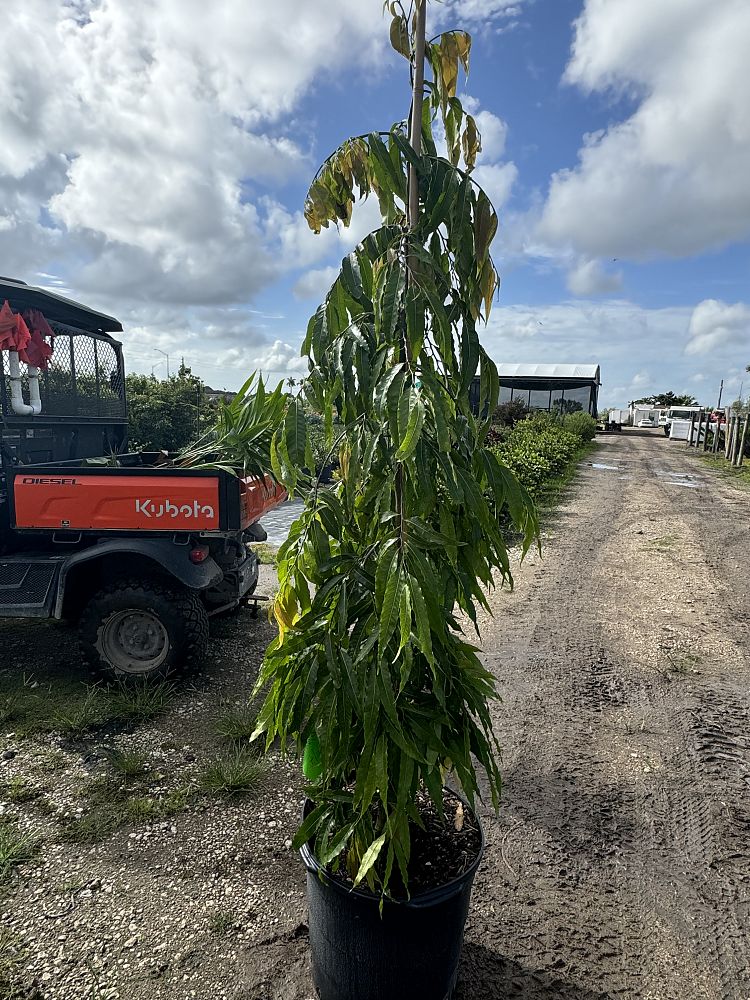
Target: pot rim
{"x": 425, "y": 898}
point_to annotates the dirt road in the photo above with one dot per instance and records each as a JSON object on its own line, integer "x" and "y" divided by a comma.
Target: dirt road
{"x": 620, "y": 866}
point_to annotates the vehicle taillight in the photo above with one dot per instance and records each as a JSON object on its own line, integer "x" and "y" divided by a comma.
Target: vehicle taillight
{"x": 199, "y": 554}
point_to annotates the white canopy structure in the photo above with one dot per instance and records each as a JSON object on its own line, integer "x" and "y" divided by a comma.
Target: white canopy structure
{"x": 588, "y": 372}
{"x": 561, "y": 388}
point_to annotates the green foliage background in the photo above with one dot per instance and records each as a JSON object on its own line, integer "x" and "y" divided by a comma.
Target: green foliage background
{"x": 166, "y": 414}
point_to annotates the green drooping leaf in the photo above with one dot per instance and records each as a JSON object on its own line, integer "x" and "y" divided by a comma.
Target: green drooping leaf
{"x": 389, "y": 612}
{"x": 471, "y": 142}
{"x": 414, "y": 423}
{"x": 295, "y": 434}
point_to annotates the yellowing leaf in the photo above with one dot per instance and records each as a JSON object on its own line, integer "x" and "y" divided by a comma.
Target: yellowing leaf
{"x": 472, "y": 142}
{"x": 400, "y": 36}
{"x": 370, "y": 857}
{"x": 488, "y": 282}
{"x": 463, "y": 45}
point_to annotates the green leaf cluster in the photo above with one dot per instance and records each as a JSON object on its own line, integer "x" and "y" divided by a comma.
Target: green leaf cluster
{"x": 381, "y": 577}
{"x": 240, "y": 440}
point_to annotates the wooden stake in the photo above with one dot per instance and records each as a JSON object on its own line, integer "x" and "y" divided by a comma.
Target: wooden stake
{"x": 742, "y": 440}
{"x": 417, "y": 101}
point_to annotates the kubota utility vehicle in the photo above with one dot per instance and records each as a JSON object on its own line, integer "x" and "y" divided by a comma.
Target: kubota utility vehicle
{"x": 138, "y": 552}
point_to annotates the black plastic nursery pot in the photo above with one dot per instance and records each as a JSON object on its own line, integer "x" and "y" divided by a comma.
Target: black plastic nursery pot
{"x": 410, "y": 953}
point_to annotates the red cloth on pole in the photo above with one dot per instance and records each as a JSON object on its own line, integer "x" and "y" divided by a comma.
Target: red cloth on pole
{"x": 38, "y": 351}
{"x": 14, "y": 334}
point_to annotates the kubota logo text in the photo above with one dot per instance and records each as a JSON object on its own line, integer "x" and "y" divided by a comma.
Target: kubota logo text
{"x": 165, "y": 508}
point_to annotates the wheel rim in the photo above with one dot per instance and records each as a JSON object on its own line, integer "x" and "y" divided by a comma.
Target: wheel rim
{"x": 134, "y": 641}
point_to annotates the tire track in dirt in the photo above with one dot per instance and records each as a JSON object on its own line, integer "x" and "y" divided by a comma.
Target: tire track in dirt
{"x": 619, "y": 866}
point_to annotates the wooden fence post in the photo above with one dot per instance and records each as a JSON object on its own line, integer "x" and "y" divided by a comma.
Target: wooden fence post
{"x": 690, "y": 431}
{"x": 705, "y": 433}
{"x": 728, "y": 432}
{"x": 743, "y": 438}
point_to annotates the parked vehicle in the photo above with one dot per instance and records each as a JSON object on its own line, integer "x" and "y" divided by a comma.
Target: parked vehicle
{"x": 616, "y": 416}
{"x": 646, "y": 423}
{"x": 677, "y": 413}
{"x": 138, "y": 552}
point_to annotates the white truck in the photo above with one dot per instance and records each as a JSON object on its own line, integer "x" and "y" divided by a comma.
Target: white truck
{"x": 621, "y": 417}
{"x": 677, "y": 422}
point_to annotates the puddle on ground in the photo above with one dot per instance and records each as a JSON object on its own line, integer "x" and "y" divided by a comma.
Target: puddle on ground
{"x": 683, "y": 482}
{"x": 278, "y": 522}
{"x": 601, "y": 465}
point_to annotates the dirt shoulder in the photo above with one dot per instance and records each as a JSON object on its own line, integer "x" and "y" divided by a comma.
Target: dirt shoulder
{"x": 618, "y": 866}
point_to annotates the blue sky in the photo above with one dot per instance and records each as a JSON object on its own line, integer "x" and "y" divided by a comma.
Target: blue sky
{"x": 160, "y": 171}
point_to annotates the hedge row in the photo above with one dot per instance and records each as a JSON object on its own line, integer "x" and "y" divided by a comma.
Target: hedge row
{"x": 542, "y": 447}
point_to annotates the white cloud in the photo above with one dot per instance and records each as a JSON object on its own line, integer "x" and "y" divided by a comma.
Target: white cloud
{"x": 640, "y": 350}
{"x": 314, "y": 284}
{"x": 497, "y": 179}
{"x": 672, "y": 178}
{"x": 148, "y": 132}
{"x": 715, "y": 325}
{"x": 453, "y": 13}
{"x": 588, "y": 277}
{"x": 278, "y": 358}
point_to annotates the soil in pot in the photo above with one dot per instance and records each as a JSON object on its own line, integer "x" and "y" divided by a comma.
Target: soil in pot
{"x": 412, "y": 949}
{"x": 443, "y": 851}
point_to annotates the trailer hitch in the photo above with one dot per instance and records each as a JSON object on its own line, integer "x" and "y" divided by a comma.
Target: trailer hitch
{"x": 253, "y": 602}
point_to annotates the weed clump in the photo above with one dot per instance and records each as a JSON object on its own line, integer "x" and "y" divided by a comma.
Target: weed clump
{"x": 239, "y": 773}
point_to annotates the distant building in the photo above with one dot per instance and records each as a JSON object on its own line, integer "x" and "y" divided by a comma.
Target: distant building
{"x": 214, "y": 395}
{"x": 559, "y": 388}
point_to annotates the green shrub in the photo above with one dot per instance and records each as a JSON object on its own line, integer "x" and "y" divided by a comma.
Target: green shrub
{"x": 582, "y": 424}
{"x": 538, "y": 451}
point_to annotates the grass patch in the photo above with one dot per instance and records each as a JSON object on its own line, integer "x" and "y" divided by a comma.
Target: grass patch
{"x": 222, "y": 922}
{"x": 267, "y": 554}
{"x": 57, "y": 701}
{"x": 128, "y": 763}
{"x": 16, "y": 847}
{"x": 64, "y": 702}
{"x": 10, "y": 704}
{"x": 239, "y": 773}
{"x": 665, "y": 543}
{"x": 76, "y": 718}
{"x": 142, "y": 700}
{"x": 683, "y": 663}
{"x": 237, "y": 723}
{"x": 739, "y": 477}
{"x": 110, "y": 805}
{"x": 17, "y": 790}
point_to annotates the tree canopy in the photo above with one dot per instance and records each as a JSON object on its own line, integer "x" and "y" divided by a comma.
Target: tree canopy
{"x": 166, "y": 414}
{"x": 668, "y": 399}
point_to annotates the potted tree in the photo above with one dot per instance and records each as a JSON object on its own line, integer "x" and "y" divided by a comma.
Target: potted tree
{"x": 379, "y": 580}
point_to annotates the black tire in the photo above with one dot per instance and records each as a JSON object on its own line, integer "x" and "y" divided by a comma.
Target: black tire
{"x": 137, "y": 629}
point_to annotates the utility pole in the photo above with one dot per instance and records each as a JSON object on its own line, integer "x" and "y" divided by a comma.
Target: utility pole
{"x": 159, "y": 350}
{"x": 721, "y": 389}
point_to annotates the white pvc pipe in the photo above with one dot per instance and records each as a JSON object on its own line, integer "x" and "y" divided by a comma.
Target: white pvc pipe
{"x": 16, "y": 396}
{"x": 35, "y": 400}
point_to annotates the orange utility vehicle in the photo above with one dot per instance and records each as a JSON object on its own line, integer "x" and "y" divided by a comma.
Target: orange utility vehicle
{"x": 138, "y": 552}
